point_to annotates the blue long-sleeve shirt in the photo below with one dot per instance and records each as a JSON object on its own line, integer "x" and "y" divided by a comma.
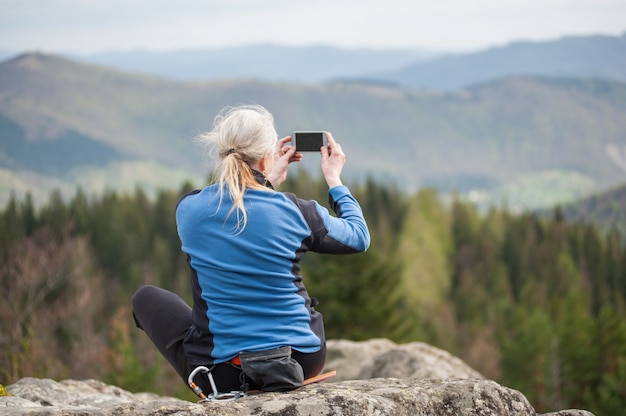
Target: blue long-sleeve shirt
{"x": 246, "y": 284}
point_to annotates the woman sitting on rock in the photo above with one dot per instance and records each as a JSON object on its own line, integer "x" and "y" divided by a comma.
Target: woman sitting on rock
{"x": 252, "y": 324}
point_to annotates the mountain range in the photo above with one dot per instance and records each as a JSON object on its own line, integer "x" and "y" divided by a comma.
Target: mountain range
{"x": 598, "y": 56}
{"x": 527, "y": 140}
{"x": 573, "y": 57}
{"x": 306, "y": 64}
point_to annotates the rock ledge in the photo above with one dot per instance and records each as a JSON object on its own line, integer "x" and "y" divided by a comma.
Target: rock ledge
{"x": 375, "y": 377}
{"x": 380, "y": 396}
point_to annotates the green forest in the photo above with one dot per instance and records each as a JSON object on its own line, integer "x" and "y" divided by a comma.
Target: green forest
{"x": 534, "y": 302}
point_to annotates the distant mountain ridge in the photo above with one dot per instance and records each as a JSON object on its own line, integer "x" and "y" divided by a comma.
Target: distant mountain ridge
{"x": 308, "y": 64}
{"x": 599, "y": 56}
{"x": 524, "y": 141}
{"x": 572, "y": 57}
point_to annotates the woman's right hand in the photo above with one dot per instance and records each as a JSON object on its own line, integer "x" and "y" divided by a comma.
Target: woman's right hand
{"x": 333, "y": 160}
{"x": 283, "y": 156}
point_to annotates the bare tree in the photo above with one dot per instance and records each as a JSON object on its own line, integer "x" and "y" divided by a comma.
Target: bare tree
{"x": 49, "y": 298}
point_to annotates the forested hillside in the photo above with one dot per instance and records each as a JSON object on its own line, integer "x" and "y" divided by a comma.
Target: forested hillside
{"x": 607, "y": 210}
{"x": 535, "y": 303}
{"x": 524, "y": 142}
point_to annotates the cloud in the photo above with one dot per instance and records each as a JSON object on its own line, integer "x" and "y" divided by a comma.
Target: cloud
{"x": 93, "y": 25}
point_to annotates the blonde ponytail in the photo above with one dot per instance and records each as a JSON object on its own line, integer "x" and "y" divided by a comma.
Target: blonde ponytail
{"x": 241, "y": 137}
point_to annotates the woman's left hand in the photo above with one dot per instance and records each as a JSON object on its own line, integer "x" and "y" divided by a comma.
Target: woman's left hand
{"x": 283, "y": 156}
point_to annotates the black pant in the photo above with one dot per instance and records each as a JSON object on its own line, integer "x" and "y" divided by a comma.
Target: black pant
{"x": 166, "y": 318}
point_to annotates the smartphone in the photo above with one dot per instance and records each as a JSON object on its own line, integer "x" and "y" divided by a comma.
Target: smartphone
{"x": 308, "y": 141}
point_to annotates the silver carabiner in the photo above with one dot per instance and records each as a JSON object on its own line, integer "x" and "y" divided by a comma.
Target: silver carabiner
{"x": 196, "y": 389}
{"x": 215, "y": 396}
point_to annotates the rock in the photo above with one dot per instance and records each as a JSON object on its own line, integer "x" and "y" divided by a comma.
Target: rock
{"x": 349, "y": 357}
{"x": 382, "y": 358}
{"x": 411, "y": 379}
{"x": 381, "y": 396}
{"x": 47, "y": 396}
{"x": 11, "y": 401}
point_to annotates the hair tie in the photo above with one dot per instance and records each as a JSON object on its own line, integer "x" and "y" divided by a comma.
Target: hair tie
{"x": 231, "y": 151}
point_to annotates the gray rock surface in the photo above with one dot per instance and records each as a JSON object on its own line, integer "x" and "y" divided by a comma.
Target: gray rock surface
{"x": 382, "y": 358}
{"x": 571, "y": 412}
{"x": 412, "y": 379}
{"x": 379, "y": 396}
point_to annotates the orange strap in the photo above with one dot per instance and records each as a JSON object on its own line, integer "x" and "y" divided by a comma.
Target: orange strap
{"x": 319, "y": 378}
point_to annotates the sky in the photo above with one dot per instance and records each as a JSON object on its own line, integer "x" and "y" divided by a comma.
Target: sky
{"x": 90, "y": 26}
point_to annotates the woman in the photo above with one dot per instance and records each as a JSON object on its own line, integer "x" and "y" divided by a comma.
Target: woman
{"x": 244, "y": 242}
